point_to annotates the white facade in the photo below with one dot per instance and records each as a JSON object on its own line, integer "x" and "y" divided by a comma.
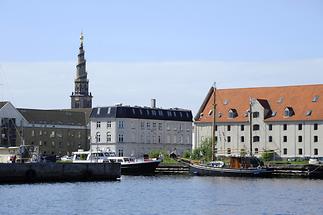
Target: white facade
{"x": 288, "y": 139}
{"x": 136, "y": 137}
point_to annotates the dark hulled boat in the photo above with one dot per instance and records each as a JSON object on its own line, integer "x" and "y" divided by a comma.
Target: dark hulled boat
{"x": 145, "y": 167}
{"x": 239, "y": 167}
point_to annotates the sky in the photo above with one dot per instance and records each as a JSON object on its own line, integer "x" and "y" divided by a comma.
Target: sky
{"x": 171, "y": 50}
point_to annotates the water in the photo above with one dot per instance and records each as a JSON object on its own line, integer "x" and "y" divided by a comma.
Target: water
{"x": 181, "y": 195}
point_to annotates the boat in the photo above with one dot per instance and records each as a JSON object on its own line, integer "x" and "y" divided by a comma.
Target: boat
{"x": 239, "y": 166}
{"x": 129, "y": 165}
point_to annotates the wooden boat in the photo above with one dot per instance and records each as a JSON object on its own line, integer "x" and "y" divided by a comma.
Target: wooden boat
{"x": 239, "y": 167}
{"x": 242, "y": 166}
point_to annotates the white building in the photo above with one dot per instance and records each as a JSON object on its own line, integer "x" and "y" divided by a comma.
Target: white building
{"x": 288, "y": 120}
{"x": 139, "y": 130}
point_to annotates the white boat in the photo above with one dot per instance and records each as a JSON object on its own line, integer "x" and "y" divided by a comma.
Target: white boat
{"x": 129, "y": 165}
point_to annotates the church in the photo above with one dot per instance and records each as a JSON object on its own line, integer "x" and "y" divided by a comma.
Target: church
{"x": 51, "y": 132}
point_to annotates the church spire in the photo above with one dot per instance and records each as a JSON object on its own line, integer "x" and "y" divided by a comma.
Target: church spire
{"x": 81, "y": 98}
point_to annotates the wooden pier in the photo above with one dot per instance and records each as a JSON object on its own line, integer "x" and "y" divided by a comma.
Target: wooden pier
{"x": 172, "y": 169}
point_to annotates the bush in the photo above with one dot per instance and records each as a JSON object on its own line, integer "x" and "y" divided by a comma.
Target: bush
{"x": 267, "y": 155}
{"x": 187, "y": 154}
{"x": 204, "y": 152}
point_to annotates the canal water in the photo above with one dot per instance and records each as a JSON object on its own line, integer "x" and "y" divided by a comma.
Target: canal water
{"x": 183, "y": 195}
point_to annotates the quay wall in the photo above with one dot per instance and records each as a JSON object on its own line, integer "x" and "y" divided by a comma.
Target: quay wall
{"x": 45, "y": 172}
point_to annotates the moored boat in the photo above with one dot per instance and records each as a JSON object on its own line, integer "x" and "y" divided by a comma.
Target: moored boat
{"x": 129, "y": 165}
{"x": 239, "y": 167}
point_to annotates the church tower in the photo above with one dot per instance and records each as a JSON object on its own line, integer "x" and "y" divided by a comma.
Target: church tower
{"x": 81, "y": 98}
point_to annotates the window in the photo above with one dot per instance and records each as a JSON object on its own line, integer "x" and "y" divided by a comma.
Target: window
{"x": 242, "y": 127}
{"x": 216, "y": 128}
{"x": 242, "y": 151}
{"x": 300, "y": 139}
{"x": 300, "y": 151}
{"x": 154, "y": 125}
{"x": 284, "y": 139}
{"x": 255, "y": 114}
{"x": 97, "y": 137}
{"x": 160, "y": 126}
{"x": 270, "y": 139}
{"x": 308, "y": 113}
{"x": 256, "y": 150}
{"x": 242, "y": 139}
{"x": 315, "y": 126}
{"x": 120, "y": 124}
{"x": 148, "y": 125}
{"x": 285, "y": 151}
{"x": 108, "y": 137}
{"x": 216, "y": 139}
{"x": 109, "y": 124}
{"x": 256, "y": 127}
{"x": 229, "y": 139}
{"x": 142, "y": 125}
{"x": 120, "y": 152}
{"x": 256, "y": 138}
{"x": 229, "y": 128}
{"x": 228, "y": 151}
{"x": 300, "y": 127}
{"x": 285, "y": 127}
{"x": 288, "y": 112}
{"x": 316, "y": 151}
{"x": 233, "y": 113}
{"x": 215, "y": 150}
{"x": 33, "y": 133}
{"x": 315, "y": 98}
{"x": 120, "y": 140}
{"x": 316, "y": 139}
{"x": 98, "y": 124}
{"x": 159, "y": 139}
{"x": 270, "y": 127}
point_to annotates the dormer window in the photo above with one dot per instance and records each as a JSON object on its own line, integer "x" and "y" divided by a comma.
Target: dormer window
{"x": 309, "y": 113}
{"x": 201, "y": 114}
{"x": 226, "y": 101}
{"x": 315, "y": 98}
{"x": 273, "y": 113}
{"x": 233, "y": 113}
{"x": 210, "y": 112}
{"x": 288, "y": 112}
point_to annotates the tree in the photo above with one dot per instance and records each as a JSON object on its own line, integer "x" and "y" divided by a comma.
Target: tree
{"x": 204, "y": 152}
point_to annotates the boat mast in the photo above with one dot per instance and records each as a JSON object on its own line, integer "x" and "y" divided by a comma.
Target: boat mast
{"x": 250, "y": 125}
{"x": 214, "y": 119}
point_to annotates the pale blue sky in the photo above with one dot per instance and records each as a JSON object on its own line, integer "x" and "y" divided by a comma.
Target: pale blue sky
{"x": 159, "y": 30}
{"x": 171, "y": 50}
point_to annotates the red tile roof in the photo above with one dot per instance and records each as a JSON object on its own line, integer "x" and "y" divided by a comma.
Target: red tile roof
{"x": 276, "y": 99}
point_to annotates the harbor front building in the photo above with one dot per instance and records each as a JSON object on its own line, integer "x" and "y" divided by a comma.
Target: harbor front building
{"x": 136, "y": 131}
{"x": 286, "y": 120}
{"x": 49, "y": 132}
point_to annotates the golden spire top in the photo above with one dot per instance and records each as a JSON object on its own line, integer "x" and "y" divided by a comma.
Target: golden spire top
{"x": 81, "y": 38}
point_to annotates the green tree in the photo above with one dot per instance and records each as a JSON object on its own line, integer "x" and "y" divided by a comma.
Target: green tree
{"x": 204, "y": 152}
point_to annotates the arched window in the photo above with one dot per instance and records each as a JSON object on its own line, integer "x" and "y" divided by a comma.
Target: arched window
{"x": 108, "y": 137}
{"x": 97, "y": 137}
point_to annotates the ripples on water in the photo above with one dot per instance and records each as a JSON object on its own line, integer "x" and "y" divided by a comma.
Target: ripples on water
{"x": 166, "y": 195}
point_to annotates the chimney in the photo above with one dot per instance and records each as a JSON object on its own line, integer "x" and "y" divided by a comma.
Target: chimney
{"x": 153, "y": 103}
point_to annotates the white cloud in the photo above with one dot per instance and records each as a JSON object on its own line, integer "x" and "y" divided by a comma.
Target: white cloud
{"x": 173, "y": 84}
